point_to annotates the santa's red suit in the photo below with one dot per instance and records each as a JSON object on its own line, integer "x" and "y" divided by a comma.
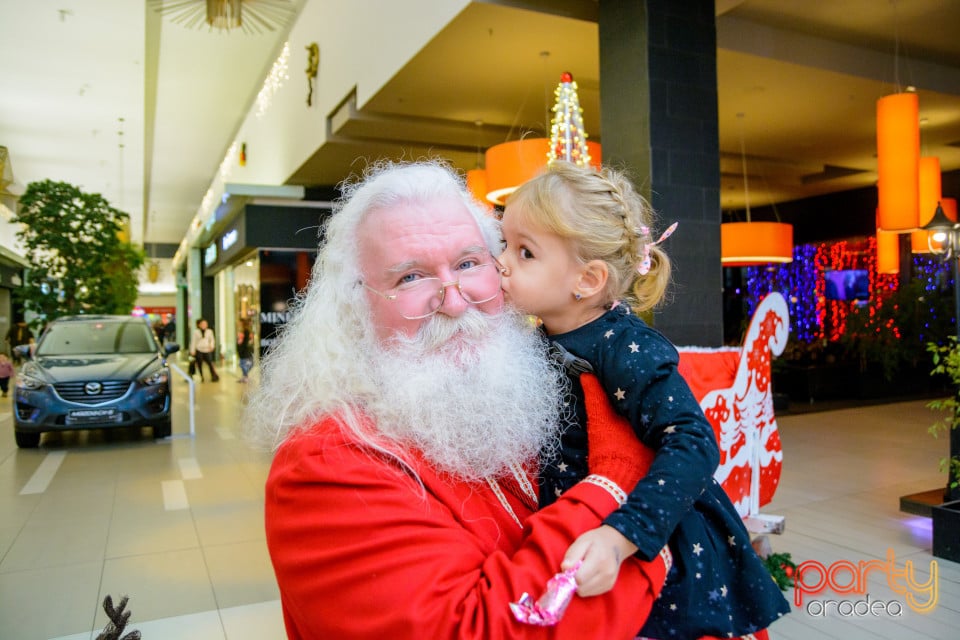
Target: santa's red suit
{"x": 362, "y": 550}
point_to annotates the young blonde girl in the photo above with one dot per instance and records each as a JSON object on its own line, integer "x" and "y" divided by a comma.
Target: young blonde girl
{"x": 579, "y": 255}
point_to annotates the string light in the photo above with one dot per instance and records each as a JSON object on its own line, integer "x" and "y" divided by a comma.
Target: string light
{"x": 271, "y": 84}
{"x": 567, "y": 136}
{"x": 814, "y": 318}
{"x": 273, "y": 81}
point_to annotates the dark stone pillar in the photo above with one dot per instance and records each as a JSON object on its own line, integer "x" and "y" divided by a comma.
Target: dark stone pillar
{"x": 658, "y": 107}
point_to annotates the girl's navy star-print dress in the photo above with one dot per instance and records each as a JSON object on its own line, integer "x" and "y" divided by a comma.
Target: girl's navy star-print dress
{"x": 718, "y": 585}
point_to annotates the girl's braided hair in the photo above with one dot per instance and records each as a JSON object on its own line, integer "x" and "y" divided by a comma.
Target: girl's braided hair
{"x": 605, "y": 218}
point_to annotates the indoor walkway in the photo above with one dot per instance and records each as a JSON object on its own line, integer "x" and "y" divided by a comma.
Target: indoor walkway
{"x": 177, "y": 526}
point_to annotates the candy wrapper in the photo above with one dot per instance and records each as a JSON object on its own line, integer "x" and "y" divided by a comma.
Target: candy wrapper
{"x": 548, "y": 610}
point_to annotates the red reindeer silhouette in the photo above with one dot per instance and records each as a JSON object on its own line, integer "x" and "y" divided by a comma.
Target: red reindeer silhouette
{"x": 734, "y": 391}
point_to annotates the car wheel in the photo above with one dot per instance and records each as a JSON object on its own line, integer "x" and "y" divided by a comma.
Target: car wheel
{"x": 27, "y": 439}
{"x": 162, "y": 429}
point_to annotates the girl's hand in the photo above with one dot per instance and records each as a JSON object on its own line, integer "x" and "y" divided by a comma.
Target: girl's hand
{"x": 602, "y": 551}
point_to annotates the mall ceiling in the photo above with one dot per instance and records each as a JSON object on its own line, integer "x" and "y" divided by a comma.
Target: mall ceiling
{"x": 797, "y": 81}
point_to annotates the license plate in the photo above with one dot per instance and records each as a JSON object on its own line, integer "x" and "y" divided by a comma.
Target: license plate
{"x": 92, "y": 415}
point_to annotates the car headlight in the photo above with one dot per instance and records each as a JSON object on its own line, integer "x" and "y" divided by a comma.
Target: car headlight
{"x": 29, "y": 382}
{"x": 160, "y": 376}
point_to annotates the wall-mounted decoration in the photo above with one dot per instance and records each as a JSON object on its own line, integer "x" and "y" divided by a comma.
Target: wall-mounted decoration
{"x": 313, "y": 63}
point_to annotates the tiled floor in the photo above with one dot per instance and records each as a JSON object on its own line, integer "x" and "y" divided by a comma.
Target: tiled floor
{"x": 177, "y": 525}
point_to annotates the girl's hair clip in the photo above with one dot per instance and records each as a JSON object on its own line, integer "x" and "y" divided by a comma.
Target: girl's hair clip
{"x": 644, "y": 267}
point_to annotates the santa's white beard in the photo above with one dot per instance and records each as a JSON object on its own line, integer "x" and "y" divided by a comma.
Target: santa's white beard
{"x": 474, "y": 395}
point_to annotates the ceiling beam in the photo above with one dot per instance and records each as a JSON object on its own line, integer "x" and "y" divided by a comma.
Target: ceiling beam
{"x": 820, "y": 53}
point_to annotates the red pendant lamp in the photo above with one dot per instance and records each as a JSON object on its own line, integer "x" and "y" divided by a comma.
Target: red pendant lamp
{"x": 898, "y": 161}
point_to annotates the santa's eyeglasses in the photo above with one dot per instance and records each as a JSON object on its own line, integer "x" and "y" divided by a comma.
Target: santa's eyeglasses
{"x": 423, "y": 297}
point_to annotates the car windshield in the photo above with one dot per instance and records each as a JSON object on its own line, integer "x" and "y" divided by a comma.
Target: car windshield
{"x": 86, "y": 338}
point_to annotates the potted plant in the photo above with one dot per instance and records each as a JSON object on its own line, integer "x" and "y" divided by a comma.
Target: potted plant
{"x": 946, "y": 516}
{"x": 887, "y": 339}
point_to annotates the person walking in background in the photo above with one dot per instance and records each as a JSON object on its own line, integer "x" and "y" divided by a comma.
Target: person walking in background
{"x": 18, "y": 335}
{"x": 169, "y": 334}
{"x": 202, "y": 347}
{"x": 245, "y": 350}
{"x": 158, "y": 330}
{"x": 6, "y": 372}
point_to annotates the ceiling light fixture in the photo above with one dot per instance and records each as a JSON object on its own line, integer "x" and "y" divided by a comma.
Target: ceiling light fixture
{"x": 930, "y": 194}
{"x": 898, "y": 161}
{"x": 249, "y": 16}
{"x": 477, "y": 185}
{"x": 898, "y": 151}
{"x": 745, "y": 244}
{"x": 888, "y": 251}
{"x": 943, "y": 223}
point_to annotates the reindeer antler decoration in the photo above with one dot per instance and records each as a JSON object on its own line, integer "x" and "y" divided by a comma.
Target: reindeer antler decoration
{"x": 118, "y": 621}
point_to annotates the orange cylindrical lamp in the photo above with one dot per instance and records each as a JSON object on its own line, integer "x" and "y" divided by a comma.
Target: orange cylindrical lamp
{"x": 744, "y": 244}
{"x": 477, "y": 185}
{"x": 510, "y": 164}
{"x": 888, "y": 250}
{"x": 898, "y": 161}
{"x": 930, "y": 195}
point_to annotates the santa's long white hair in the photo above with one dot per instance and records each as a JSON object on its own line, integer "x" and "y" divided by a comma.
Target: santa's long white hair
{"x": 470, "y": 418}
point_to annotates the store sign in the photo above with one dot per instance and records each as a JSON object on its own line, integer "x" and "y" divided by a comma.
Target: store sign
{"x": 210, "y": 255}
{"x": 229, "y": 239}
{"x": 233, "y": 241}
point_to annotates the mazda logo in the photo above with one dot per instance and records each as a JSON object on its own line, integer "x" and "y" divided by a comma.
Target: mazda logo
{"x": 92, "y": 388}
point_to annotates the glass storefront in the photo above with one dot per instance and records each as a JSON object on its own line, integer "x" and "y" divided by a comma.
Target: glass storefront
{"x": 246, "y": 299}
{"x": 236, "y": 282}
{"x": 283, "y": 274}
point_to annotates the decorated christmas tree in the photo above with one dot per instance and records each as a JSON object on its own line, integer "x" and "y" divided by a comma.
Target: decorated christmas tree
{"x": 568, "y": 140}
